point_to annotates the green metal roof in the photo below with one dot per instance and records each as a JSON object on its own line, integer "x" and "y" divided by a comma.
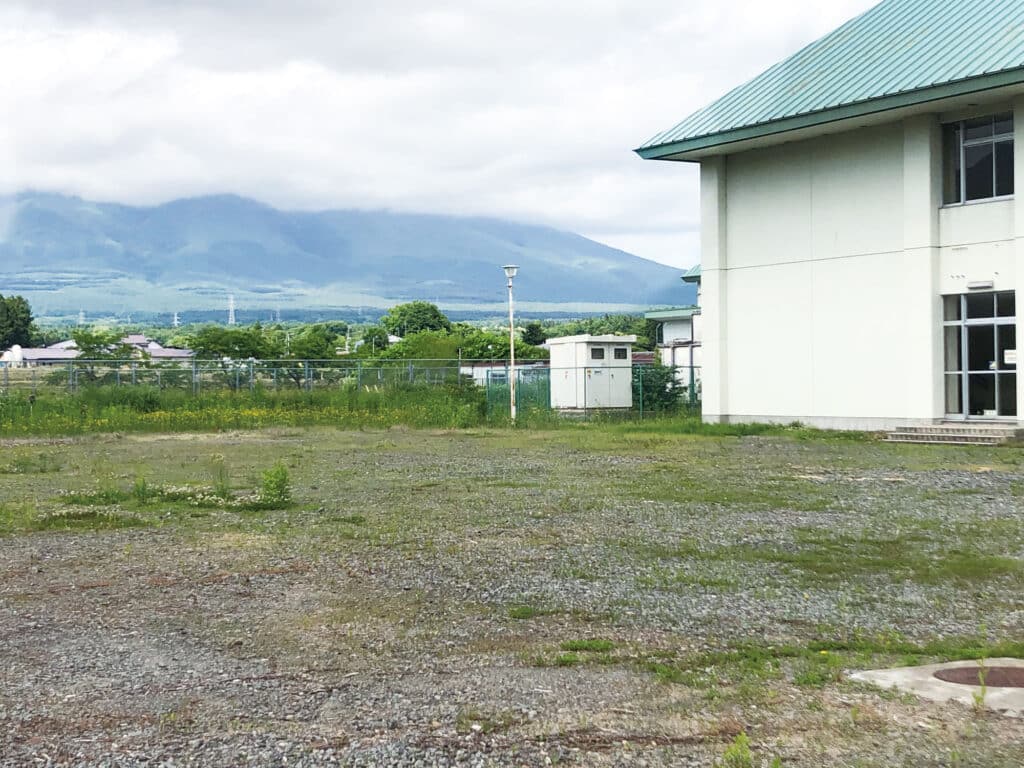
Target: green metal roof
{"x": 898, "y": 53}
{"x": 678, "y": 313}
{"x": 692, "y": 275}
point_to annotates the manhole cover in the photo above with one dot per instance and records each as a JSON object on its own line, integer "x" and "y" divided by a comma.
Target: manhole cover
{"x": 995, "y": 677}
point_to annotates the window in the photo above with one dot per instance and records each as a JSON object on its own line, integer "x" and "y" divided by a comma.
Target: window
{"x": 620, "y": 353}
{"x": 596, "y": 353}
{"x": 977, "y": 159}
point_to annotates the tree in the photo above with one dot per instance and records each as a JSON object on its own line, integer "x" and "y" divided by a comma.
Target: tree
{"x": 416, "y": 316}
{"x": 15, "y": 322}
{"x": 97, "y": 344}
{"x": 313, "y": 343}
{"x": 214, "y": 342}
{"x": 375, "y": 339}
{"x": 533, "y": 334}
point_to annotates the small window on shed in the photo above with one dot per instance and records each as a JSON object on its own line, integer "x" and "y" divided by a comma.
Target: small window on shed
{"x": 621, "y": 353}
{"x": 597, "y": 353}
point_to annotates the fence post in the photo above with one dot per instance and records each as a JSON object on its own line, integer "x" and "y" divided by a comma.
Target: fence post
{"x": 252, "y": 374}
{"x": 135, "y": 377}
{"x": 359, "y": 375}
{"x": 641, "y": 369}
{"x": 305, "y": 373}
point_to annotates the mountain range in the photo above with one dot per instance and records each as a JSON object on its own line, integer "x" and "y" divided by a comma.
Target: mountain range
{"x": 64, "y": 253}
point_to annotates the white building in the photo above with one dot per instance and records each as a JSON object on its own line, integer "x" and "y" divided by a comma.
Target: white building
{"x": 861, "y": 245}
{"x": 591, "y": 372}
{"x": 679, "y": 336}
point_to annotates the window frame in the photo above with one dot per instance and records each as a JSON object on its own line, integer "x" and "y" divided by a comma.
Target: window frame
{"x": 964, "y": 143}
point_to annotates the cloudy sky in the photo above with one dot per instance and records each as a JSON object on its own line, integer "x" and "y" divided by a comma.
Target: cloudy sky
{"x": 525, "y": 109}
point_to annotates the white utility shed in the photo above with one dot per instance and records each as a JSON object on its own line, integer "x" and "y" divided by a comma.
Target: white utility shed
{"x": 591, "y": 372}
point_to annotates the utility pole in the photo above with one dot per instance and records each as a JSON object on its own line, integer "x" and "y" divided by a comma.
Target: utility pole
{"x": 510, "y": 272}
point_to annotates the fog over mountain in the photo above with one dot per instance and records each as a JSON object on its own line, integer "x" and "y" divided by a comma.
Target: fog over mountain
{"x": 65, "y": 254}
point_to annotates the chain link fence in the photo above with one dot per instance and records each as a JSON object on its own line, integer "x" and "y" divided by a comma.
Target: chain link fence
{"x": 649, "y": 388}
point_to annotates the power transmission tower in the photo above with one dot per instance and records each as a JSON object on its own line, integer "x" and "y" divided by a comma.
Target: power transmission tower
{"x": 231, "y": 309}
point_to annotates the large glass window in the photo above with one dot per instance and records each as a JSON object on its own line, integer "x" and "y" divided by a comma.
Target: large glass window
{"x": 977, "y": 158}
{"x": 980, "y": 341}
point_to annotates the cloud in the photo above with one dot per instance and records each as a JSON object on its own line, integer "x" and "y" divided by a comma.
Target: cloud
{"x": 520, "y": 109}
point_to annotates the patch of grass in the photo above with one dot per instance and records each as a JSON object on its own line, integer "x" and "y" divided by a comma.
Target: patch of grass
{"x": 90, "y": 519}
{"x": 474, "y": 720}
{"x": 818, "y": 670}
{"x": 104, "y": 496}
{"x": 37, "y": 464}
{"x": 349, "y": 519}
{"x": 523, "y": 612}
{"x": 822, "y": 556}
{"x": 588, "y": 646}
{"x": 568, "y": 659}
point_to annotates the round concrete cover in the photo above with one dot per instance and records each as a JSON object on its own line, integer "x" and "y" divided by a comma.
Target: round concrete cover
{"x": 993, "y": 677}
{"x": 924, "y": 681}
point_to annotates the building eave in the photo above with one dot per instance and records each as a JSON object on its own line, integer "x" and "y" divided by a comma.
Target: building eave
{"x": 692, "y": 149}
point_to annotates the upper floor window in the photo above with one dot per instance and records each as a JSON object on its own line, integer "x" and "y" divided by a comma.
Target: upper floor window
{"x": 977, "y": 159}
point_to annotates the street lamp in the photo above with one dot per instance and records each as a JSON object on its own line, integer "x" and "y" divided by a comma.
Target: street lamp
{"x": 510, "y": 272}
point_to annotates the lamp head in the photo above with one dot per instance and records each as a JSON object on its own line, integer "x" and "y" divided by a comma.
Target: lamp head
{"x": 510, "y": 270}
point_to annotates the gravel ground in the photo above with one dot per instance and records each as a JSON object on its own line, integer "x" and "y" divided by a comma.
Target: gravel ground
{"x": 410, "y": 609}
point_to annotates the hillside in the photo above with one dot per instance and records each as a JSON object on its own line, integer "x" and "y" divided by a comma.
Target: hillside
{"x": 65, "y": 253}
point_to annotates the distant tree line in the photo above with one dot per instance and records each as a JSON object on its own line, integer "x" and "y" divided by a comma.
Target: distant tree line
{"x": 425, "y": 332}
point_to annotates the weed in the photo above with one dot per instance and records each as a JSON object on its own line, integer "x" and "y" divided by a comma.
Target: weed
{"x": 221, "y": 480}
{"x": 276, "y": 489}
{"x": 979, "y": 696}
{"x": 141, "y": 491}
{"x": 738, "y": 754}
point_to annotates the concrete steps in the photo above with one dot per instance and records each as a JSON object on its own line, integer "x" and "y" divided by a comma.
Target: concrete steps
{"x": 959, "y": 433}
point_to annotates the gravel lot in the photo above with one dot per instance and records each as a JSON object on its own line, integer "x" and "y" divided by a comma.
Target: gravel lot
{"x": 418, "y": 603}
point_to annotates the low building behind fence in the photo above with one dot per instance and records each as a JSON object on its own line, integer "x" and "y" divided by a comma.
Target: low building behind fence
{"x": 655, "y": 387}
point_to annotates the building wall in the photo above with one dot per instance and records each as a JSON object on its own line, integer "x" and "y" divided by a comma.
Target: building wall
{"x": 823, "y": 266}
{"x": 677, "y": 330}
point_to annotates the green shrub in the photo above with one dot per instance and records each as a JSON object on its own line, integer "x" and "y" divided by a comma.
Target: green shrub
{"x": 277, "y": 488}
{"x": 655, "y": 388}
{"x": 738, "y": 754}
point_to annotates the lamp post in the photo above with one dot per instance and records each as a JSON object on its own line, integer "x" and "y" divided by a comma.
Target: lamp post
{"x": 510, "y": 272}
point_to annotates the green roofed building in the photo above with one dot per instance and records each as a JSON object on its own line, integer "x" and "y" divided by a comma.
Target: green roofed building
{"x": 861, "y": 246}
{"x": 679, "y": 336}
